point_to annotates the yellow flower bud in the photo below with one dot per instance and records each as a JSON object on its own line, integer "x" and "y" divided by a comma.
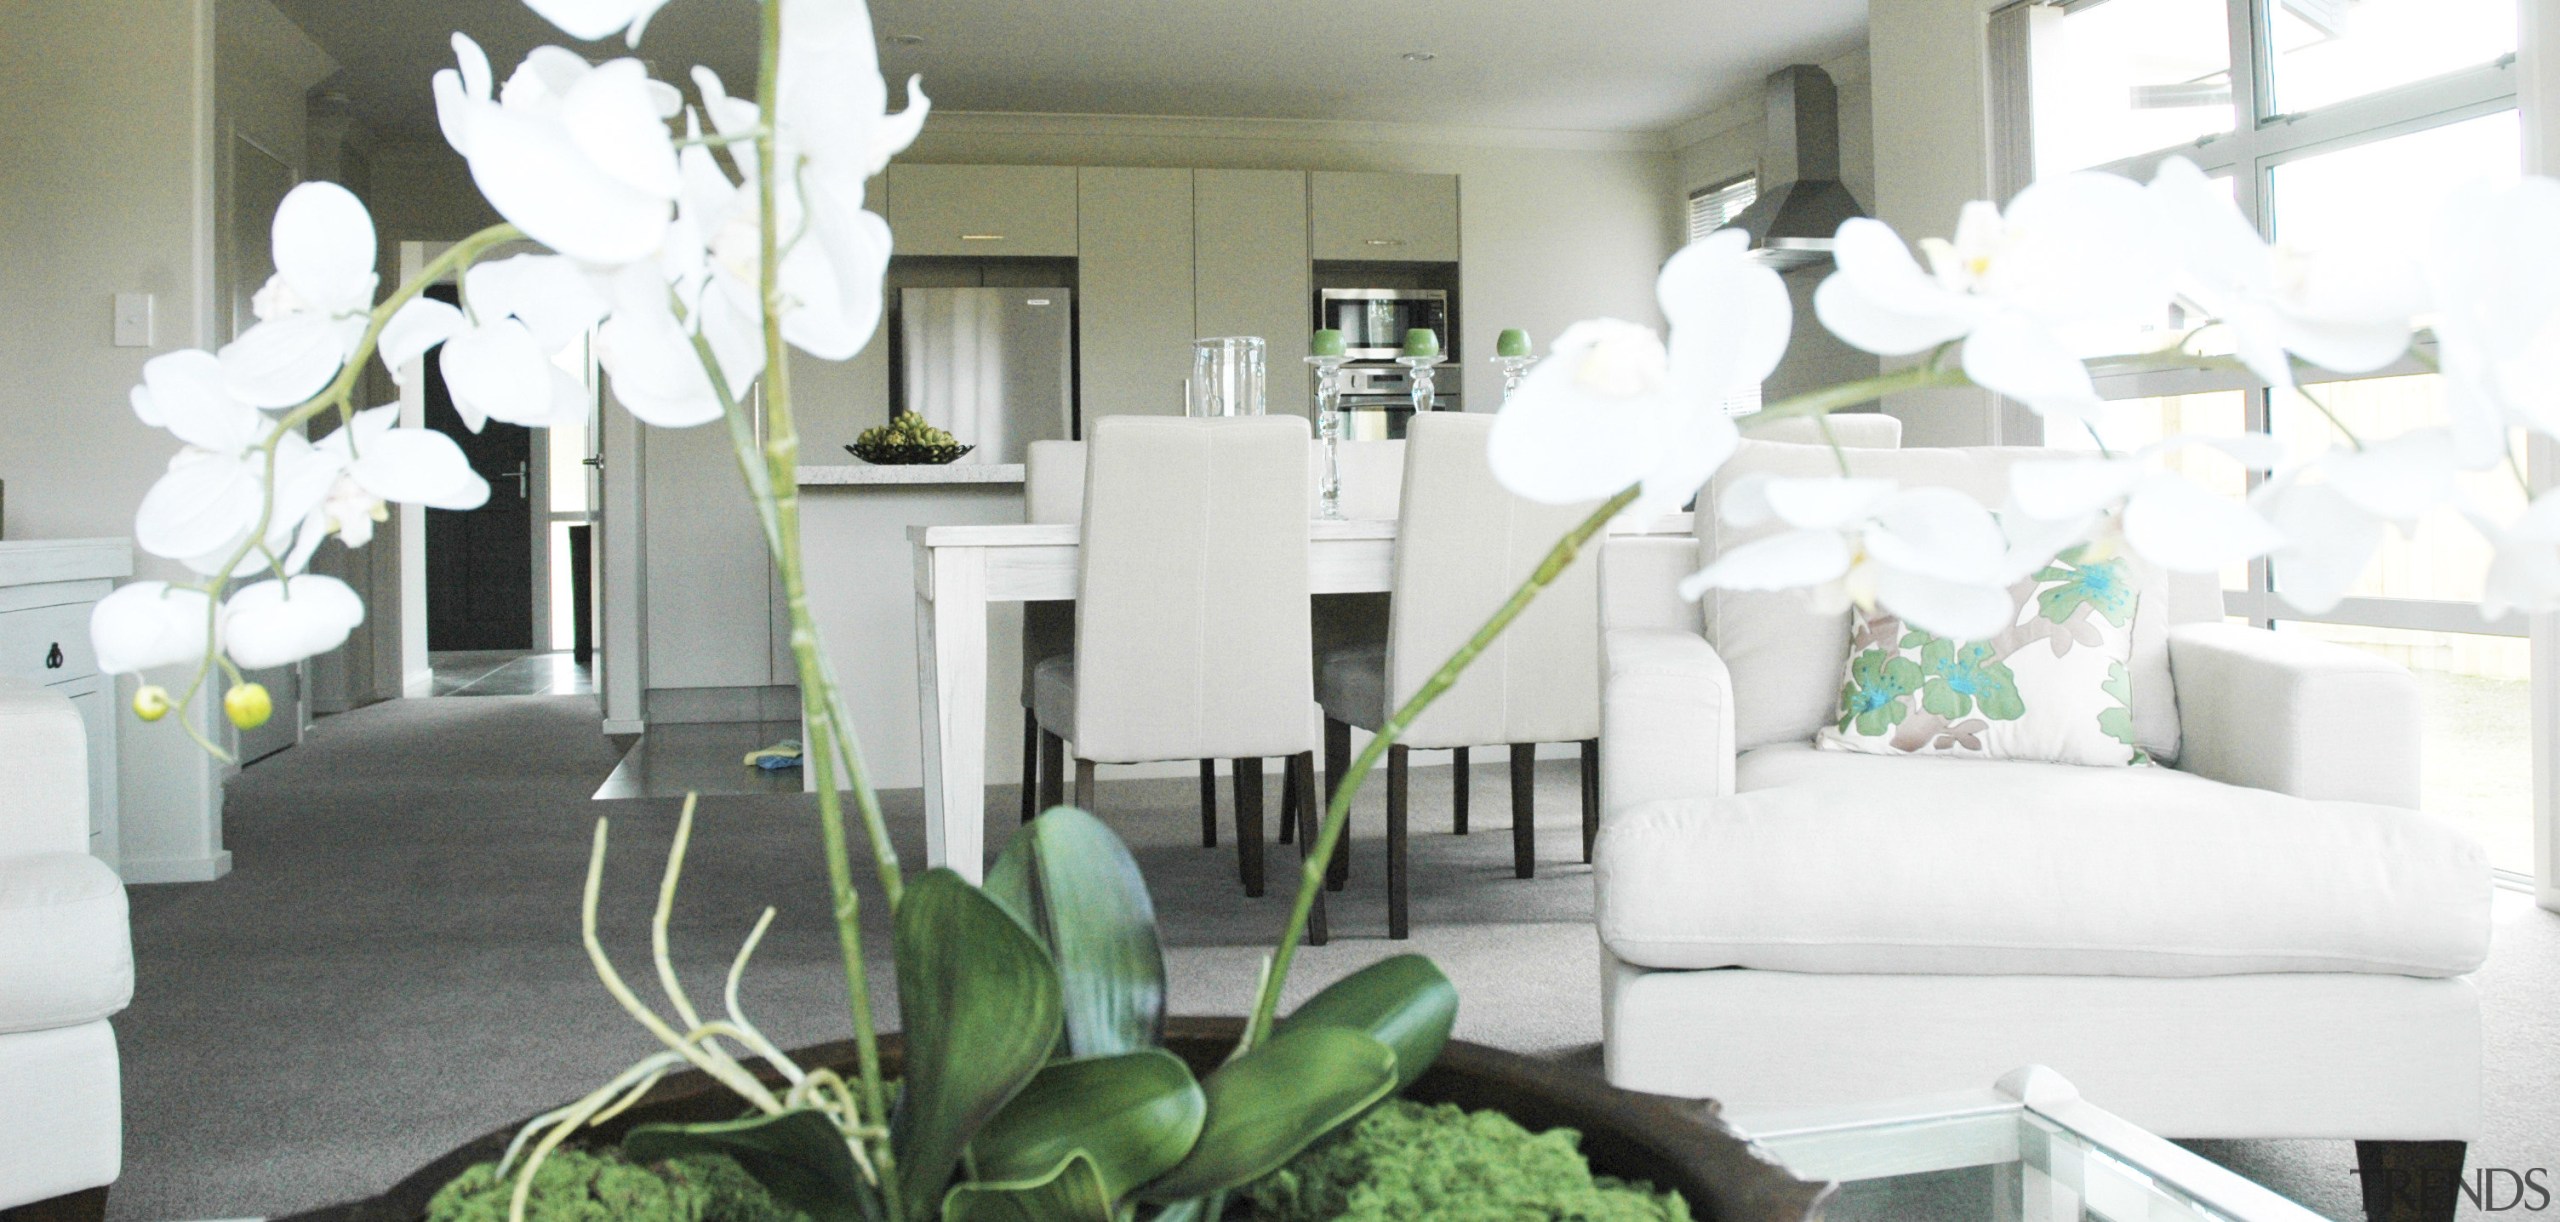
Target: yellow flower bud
{"x": 151, "y": 702}
{"x": 248, "y": 705}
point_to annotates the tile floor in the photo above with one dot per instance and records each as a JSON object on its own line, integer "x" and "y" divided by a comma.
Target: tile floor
{"x": 672, "y": 760}
{"x": 509, "y": 673}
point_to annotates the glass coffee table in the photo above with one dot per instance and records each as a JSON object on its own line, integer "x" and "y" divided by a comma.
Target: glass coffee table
{"x": 2030, "y": 1149}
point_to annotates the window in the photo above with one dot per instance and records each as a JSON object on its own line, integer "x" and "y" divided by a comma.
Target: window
{"x": 1713, "y": 208}
{"x": 2330, "y": 120}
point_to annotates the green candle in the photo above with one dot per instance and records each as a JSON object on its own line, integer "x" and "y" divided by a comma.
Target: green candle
{"x": 1421, "y": 341}
{"x": 1512, "y": 342}
{"x": 1327, "y": 342}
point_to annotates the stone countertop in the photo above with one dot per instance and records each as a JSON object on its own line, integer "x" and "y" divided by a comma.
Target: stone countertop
{"x": 865, "y": 474}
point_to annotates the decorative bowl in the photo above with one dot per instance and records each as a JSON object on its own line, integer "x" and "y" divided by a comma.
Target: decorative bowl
{"x": 905, "y": 454}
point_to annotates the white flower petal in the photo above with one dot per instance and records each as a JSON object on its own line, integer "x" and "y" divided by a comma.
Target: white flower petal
{"x": 1939, "y": 533}
{"x": 414, "y": 466}
{"x": 2059, "y": 489}
{"x": 836, "y": 283}
{"x": 2012, "y": 354}
{"x": 148, "y": 624}
{"x": 591, "y": 20}
{"x": 1793, "y": 560}
{"x": 2396, "y": 479}
{"x": 612, "y": 115}
{"x": 1862, "y": 322}
{"x": 2327, "y": 542}
{"x": 1591, "y": 420}
{"x": 1823, "y": 502}
{"x": 550, "y": 294}
{"x": 1959, "y": 611}
{"x": 538, "y": 178}
{"x": 420, "y": 324}
{"x": 204, "y": 501}
{"x": 1729, "y": 317}
{"x": 324, "y": 247}
{"x": 2082, "y": 247}
{"x": 273, "y": 623}
{"x": 497, "y": 372}
{"x": 183, "y": 393}
{"x": 1699, "y": 441}
{"x": 654, "y": 372}
{"x": 285, "y": 361}
{"x": 2185, "y": 529}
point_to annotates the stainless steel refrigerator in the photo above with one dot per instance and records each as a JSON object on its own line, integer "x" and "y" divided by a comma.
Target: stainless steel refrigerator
{"x": 989, "y": 364}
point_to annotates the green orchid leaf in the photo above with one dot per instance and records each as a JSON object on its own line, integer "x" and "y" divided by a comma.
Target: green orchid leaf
{"x": 1071, "y": 882}
{"x": 1071, "y": 1191}
{"x": 1133, "y": 1116}
{"x": 981, "y": 1010}
{"x": 1405, "y": 1002}
{"x": 799, "y": 1156}
{"x": 1192, "y": 1210}
{"x": 1275, "y": 1100}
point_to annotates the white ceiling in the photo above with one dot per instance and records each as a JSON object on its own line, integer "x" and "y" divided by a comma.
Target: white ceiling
{"x": 1615, "y": 65}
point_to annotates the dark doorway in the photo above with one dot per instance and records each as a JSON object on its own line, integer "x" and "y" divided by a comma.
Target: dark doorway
{"x": 480, "y": 561}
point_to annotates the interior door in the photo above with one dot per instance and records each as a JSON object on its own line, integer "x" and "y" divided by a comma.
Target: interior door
{"x": 480, "y": 561}
{"x": 259, "y": 181}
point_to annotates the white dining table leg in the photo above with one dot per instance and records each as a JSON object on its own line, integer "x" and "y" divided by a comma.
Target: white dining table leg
{"x": 951, "y": 675}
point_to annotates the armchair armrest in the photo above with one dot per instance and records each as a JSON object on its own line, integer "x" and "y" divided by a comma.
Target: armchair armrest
{"x": 1666, "y": 717}
{"x": 2295, "y": 715}
{"x": 1640, "y": 581}
{"x": 44, "y": 753}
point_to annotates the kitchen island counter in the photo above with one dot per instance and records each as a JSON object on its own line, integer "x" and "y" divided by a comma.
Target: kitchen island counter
{"x": 862, "y": 473}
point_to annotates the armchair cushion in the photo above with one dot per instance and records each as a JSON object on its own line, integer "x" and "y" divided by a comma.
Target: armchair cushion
{"x": 1835, "y": 862}
{"x": 1666, "y": 713}
{"x": 66, "y": 954}
{"x": 2294, "y": 714}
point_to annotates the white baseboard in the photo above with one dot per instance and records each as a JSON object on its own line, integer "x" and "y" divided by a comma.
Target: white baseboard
{"x": 618, "y": 725}
{"x": 420, "y": 682}
{"x": 175, "y": 869}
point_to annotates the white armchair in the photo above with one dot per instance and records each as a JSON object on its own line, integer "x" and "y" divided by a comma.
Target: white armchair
{"x": 66, "y": 964}
{"x": 2265, "y": 940}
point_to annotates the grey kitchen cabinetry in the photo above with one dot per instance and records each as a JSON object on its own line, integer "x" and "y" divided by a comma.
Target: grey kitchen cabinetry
{"x": 1134, "y": 321}
{"x": 1250, "y": 272}
{"x": 1409, "y": 218}
{"x": 983, "y": 209}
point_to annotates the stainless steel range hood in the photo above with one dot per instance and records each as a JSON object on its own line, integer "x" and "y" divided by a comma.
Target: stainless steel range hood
{"x": 1801, "y": 200}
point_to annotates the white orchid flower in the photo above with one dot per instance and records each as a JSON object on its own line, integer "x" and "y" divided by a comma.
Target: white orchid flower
{"x": 656, "y": 372}
{"x": 1611, "y": 406}
{"x": 206, "y": 505}
{"x": 2070, "y": 251}
{"x": 147, "y": 624}
{"x": 595, "y": 20}
{"x": 2332, "y": 511}
{"x": 280, "y": 622}
{"x": 313, "y": 312}
{"x": 833, "y": 100}
{"x": 2348, "y": 311}
{"x": 1932, "y": 556}
{"x": 2123, "y": 500}
{"x": 373, "y": 464}
{"x": 2495, "y": 271}
{"x": 576, "y": 155}
{"x": 2525, "y": 573}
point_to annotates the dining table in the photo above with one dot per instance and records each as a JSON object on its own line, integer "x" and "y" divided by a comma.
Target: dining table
{"x": 959, "y": 570}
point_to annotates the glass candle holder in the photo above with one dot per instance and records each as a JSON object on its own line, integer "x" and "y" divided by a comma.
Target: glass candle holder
{"x": 1329, "y": 428}
{"x": 1513, "y": 369}
{"x": 1227, "y": 376}
{"x": 1421, "y": 367}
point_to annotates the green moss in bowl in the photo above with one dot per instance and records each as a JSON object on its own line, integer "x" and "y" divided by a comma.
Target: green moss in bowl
{"x": 1414, "y": 1160}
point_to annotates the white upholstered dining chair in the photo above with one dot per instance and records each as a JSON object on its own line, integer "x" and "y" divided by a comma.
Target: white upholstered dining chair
{"x": 1463, "y": 544}
{"x": 1191, "y": 629}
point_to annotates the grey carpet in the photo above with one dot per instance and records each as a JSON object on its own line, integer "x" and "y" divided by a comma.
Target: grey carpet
{"x": 394, "y": 965}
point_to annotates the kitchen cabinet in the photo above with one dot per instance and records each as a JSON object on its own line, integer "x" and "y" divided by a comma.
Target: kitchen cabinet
{"x": 47, "y": 590}
{"x": 983, "y": 209}
{"x": 1249, "y": 270}
{"x": 1134, "y": 322}
{"x": 1405, "y": 218}
{"x": 709, "y": 582}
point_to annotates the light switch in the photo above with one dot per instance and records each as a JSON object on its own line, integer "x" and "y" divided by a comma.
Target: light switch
{"x": 133, "y": 320}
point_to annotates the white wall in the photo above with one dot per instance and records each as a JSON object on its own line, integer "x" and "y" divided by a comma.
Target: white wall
{"x": 106, "y": 186}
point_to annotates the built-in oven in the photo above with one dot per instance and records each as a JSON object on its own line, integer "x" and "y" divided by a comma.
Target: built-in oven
{"x": 1377, "y": 401}
{"x": 1373, "y": 322}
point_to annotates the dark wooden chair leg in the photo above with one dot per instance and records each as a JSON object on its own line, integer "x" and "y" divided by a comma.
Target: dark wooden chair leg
{"x": 1290, "y": 797}
{"x": 1303, "y": 766}
{"x": 1053, "y": 770}
{"x": 86, "y": 1205}
{"x": 1590, "y": 796}
{"x": 1208, "y": 804}
{"x": 1084, "y": 784}
{"x": 1248, "y": 777}
{"x": 1030, "y": 765}
{"x": 1458, "y": 777}
{"x": 1337, "y": 760}
{"x": 2409, "y": 1181}
{"x": 1399, "y": 773}
{"x": 1524, "y": 809}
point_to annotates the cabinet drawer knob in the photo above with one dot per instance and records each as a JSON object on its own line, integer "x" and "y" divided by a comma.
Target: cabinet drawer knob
{"x": 53, "y": 657}
{"x": 1384, "y": 241}
{"x": 982, "y": 237}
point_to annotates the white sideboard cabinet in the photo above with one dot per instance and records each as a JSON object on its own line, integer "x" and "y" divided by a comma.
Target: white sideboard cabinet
{"x": 47, "y": 588}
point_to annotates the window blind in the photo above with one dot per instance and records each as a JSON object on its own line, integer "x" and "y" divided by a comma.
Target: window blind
{"x": 1712, "y": 208}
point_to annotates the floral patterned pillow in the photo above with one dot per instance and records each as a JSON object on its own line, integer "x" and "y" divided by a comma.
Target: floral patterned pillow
{"x": 2053, "y": 687}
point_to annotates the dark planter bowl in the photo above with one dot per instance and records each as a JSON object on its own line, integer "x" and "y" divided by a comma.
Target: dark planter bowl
{"x": 1677, "y": 1144}
{"x": 907, "y": 455}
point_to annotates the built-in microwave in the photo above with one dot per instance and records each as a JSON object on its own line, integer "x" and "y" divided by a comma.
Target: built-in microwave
{"x": 1373, "y": 322}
